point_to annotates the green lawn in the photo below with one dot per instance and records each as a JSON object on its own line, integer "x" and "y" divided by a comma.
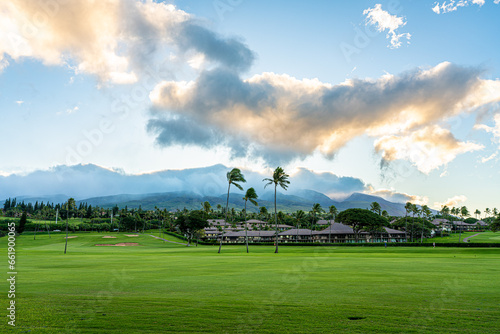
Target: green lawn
{"x": 486, "y": 237}
{"x": 164, "y": 287}
{"x": 453, "y": 237}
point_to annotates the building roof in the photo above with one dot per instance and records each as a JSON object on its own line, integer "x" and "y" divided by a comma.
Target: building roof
{"x": 393, "y": 231}
{"x": 323, "y": 222}
{"x": 250, "y": 234}
{"x": 294, "y": 231}
{"x": 439, "y": 221}
{"x": 337, "y": 228}
{"x": 255, "y": 221}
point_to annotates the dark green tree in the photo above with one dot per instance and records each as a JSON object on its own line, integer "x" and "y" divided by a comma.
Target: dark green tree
{"x": 191, "y": 222}
{"x": 22, "y": 223}
{"x": 495, "y": 225}
{"x": 361, "y": 219}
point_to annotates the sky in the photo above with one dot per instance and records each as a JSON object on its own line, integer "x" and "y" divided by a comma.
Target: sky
{"x": 403, "y": 95}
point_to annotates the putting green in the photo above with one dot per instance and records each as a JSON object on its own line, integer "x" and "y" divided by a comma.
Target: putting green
{"x": 165, "y": 287}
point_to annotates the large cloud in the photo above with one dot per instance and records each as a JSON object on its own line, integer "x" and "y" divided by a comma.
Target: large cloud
{"x": 113, "y": 39}
{"x": 278, "y": 117}
{"x": 427, "y": 148}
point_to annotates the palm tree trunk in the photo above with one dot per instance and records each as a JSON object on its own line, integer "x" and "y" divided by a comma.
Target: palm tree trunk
{"x": 227, "y": 206}
{"x": 246, "y": 234}
{"x": 276, "y": 217}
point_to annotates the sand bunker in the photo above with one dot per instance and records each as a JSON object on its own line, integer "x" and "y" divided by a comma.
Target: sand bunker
{"x": 108, "y": 236}
{"x": 120, "y": 244}
{"x": 132, "y": 235}
{"x": 74, "y": 236}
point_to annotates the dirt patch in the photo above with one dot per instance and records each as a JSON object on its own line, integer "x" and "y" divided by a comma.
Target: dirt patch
{"x": 120, "y": 244}
{"x": 108, "y": 236}
{"x": 131, "y": 235}
{"x": 74, "y": 236}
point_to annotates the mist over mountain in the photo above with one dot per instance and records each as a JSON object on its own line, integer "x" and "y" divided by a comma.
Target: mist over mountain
{"x": 188, "y": 188}
{"x": 85, "y": 181}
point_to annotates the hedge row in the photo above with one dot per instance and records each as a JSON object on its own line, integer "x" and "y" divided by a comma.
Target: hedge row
{"x": 392, "y": 244}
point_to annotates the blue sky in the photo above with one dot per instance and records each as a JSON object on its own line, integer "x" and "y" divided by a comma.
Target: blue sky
{"x": 403, "y": 95}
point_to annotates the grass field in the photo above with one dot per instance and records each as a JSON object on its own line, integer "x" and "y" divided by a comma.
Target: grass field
{"x": 486, "y": 237}
{"x": 164, "y": 287}
{"x": 489, "y": 237}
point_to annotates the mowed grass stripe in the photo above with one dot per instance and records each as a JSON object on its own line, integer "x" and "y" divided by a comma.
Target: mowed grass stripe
{"x": 160, "y": 286}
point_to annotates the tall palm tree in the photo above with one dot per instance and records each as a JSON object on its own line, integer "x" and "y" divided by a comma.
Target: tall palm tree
{"x": 233, "y": 177}
{"x": 427, "y": 214}
{"x": 375, "y": 207}
{"x": 279, "y": 178}
{"x": 69, "y": 206}
{"x": 408, "y": 207}
{"x": 316, "y": 209}
{"x": 251, "y": 196}
{"x": 333, "y": 214}
{"x": 299, "y": 216}
{"x": 414, "y": 211}
{"x": 464, "y": 212}
{"x": 206, "y": 207}
{"x": 487, "y": 212}
{"x": 477, "y": 213}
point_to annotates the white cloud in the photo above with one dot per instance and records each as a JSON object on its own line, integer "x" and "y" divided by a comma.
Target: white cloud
{"x": 117, "y": 40}
{"x": 491, "y": 157}
{"x": 495, "y": 129}
{"x": 384, "y": 21}
{"x": 19, "y": 102}
{"x": 451, "y": 6}
{"x": 450, "y": 202}
{"x": 279, "y": 118}
{"x": 428, "y": 148}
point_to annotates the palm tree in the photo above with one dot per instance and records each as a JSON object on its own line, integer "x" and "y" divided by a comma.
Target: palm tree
{"x": 414, "y": 211}
{"x": 233, "y": 177}
{"x": 279, "y": 178}
{"x": 263, "y": 213}
{"x": 463, "y": 213}
{"x": 333, "y": 212}
{"x": 316, "y": 209}
{"x": 206, "y": 207}
{"x": 427, "y": 213}
{"x": 69, "y": 206}
{"x": 477, "y": 213}
{"x": 487, "y": 212}
{"x": 375, "y": 207}
{"x": 408, "y": 207}
{"x": 299, "y": 216}
{"x": 251, "y": 196}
